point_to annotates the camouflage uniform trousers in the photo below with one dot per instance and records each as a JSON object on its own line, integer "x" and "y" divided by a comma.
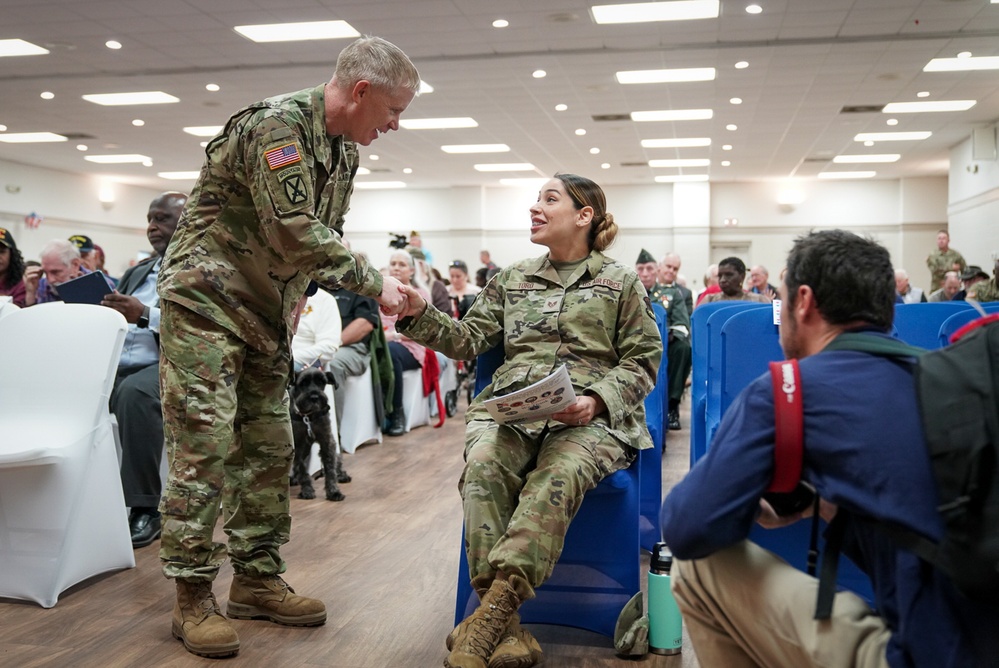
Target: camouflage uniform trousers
{"x": 228, "y": 438}
{"x": 520, "y": 491}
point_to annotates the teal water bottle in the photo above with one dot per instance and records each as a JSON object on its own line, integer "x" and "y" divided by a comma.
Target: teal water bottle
{"x": 665, "y": 624}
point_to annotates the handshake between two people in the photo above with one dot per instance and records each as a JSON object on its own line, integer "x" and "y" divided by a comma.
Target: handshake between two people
{"x": 400, "y": 299}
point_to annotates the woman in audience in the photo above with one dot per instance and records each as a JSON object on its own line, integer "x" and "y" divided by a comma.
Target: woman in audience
{"x": 11, "y": 269}
{"x": 406, "y": 353}
{"x": 461, "y": 292}
{"x": 523, "y": 483}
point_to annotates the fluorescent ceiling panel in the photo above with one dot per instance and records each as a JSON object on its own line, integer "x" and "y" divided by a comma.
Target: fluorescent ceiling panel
{"x": 379, "y": 185}
{"x": 647, "y": 12}
{"x": 856, "y": 159}
{"x": 524, "y": 182}
{"x": 673, "y": 115}
{"x": 681, "y": 162}
{"x": 18, "y": 47}
{"x": 505, "y": 167}
{"x": 30, "y": 137}
{"x": 918, "y": 107}
{"x": 475, "y": 148}
{"x": 892, "y": 136}
{"x": 119, "y": 99}
{"x": 297, "y": 32}
{"x": 425, "y": 87}
{"x": 666, "y": 76}
{"x": 682, "y": 178}
{"x": 203, "y": 130}
{"x": 846, "y": 175}
{"x": 178, "y": 176}
{"x": 117, "y": 159}
{"x": 438, "y": 123}
{"x": 962, "y": 64}
{"x": 689, "y": 142}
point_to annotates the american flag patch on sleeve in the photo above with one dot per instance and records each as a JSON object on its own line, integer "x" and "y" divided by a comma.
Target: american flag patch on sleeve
{"x": 281, "y": 156}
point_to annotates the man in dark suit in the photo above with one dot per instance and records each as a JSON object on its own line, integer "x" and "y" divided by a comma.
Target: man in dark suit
{"x": 135, "y": 400}
{"x": 669, "y": 269}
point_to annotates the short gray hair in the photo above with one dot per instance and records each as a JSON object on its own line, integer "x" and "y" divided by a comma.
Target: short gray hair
{"x": 65, "y": 251}
{"x": 378, "y": 61}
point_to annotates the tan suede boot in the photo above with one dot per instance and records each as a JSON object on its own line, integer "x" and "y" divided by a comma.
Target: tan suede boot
{"x": 476, "y": 638}
{"x": 270, "y": 597}
{"x": 198, "y": 621}
{"x": 518, "y": 648}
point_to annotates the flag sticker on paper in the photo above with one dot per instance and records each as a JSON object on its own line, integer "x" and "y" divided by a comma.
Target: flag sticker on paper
{"x": 281, "y": 156}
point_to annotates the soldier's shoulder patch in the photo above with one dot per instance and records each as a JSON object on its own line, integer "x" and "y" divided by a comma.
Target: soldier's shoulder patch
{"x": 648, "y": 307}
{"x": 281, "y": 156}
{"x": 606, "y": 282}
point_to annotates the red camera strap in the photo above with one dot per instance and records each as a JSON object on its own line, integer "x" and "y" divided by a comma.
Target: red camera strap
{"x": 789, "y": 422}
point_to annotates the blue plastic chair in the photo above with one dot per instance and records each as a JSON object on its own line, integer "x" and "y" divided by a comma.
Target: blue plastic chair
{"x": 656, "y": 412}
{"x": 960, "y": 319}
{"x": 919, "y": 324}
{"x": 700, "y": 344}
{"x": 599, "y": 569}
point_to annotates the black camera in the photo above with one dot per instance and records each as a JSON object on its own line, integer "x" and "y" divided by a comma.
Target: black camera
{"x": 790, "y": 503}
{"x": 399, "y": 241}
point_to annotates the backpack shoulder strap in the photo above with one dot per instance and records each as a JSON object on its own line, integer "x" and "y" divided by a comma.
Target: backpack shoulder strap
{"x": 789, "y": 436}
{"x": 876, "y": 345}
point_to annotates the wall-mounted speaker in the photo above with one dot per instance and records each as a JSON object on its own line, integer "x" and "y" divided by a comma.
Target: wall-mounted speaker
{"x": 983, "y": 143}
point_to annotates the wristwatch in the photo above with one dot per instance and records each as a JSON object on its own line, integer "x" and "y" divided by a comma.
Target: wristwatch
{"x": 143, "y": 321}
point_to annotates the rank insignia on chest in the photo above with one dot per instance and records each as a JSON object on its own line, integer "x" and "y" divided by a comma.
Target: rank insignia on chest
{"x": 282, "y": 155}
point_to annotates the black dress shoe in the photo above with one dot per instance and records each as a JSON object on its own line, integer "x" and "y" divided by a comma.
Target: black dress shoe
{"x": 145, "y": 527}
{"x": 397, "y": 424}
{"x": 674, "y": 420}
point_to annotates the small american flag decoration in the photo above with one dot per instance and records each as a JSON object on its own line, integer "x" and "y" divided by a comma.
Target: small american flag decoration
{"x": 33, "y": 220}
{"x": 281, "y": 156}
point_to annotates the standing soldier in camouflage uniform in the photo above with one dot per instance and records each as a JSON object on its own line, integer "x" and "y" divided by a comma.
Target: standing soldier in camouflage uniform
{"x": 522, "y": 484}
{"x": 265, "y": 217}
{"x": 987, "y": 291}
{"x": 678, "y": 354}
{"x": 943, "y": 260}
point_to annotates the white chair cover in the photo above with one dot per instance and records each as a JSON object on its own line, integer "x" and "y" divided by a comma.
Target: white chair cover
{"x": 360, "y": 422}
{"x": 416, "y": 405}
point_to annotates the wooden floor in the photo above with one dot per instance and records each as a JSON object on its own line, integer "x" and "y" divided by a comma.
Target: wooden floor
{"x": 384, "y": 561}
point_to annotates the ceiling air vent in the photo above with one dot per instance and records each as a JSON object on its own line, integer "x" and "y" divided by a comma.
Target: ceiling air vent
{"x": 635, "y": 164}
{"x": 862, "y": 109}
{"x": 611, "y": 117}
{"x": 816, "y": 159}
{"x": 76, "y": 136}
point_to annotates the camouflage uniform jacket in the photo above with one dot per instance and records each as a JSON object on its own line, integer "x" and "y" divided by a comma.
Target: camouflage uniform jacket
{"x": 266, "y": 215}
{"x": 677, "y": 317}
{"x": 987, "y": 291}
{"x": 940, "y": 262}
{"x": 599, "y": 324}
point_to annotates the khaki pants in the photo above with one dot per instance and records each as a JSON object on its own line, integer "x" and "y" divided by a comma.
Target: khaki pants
{"x": 743, "y": 606}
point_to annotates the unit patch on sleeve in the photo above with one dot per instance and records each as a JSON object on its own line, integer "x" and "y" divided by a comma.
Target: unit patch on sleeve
{"x": 282, "y": 156}
{"x": 295, "y": 189}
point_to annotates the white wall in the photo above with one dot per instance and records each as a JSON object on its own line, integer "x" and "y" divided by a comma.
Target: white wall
{"x": 973, "y": 206}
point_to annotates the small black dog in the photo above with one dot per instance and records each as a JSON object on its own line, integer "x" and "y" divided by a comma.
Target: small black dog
{"x": 310, "y": 423}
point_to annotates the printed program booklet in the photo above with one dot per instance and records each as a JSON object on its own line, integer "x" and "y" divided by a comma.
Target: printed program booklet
{"x": 531, "y": 404}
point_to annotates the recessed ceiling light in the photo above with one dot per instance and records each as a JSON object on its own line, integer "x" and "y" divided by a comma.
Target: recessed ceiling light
{"x": 580, "y": 132}
{"x": 138, "y": 122}
{"x": 505, "y": 167}
{"x": 203, "y": 144}
{"x": 754, "y": 9}
{"x": 539, "y": 74}
{"x": 666, "y": 76}
{"x": 647, "y": 12}
{"x": 82, "y": 147}
{"x": 604, "y": 165}
{"x": 425, "y": 87}
{"x": 923, "y": 93}
{"x": 561, "y": 107}
{"x": 846, "y": 175}
{"x": 120, "y": 158}
{"x": 30, "y": 137}
{"x": 892, "y": 136}
{"x": 148, "y": 162}
{"x": 500, "y": 23}
{"x": 203, "y": 130}
{"x": 407, "y": 170}
{"x": 891, "y": 121}
{"x": 47, "y": 95}
{"x": 594, "y": 151}
{"x": 683, "y": 142}
{"x": 874, "y": 157}
{"x": 113, "y": 44}
{"x": 3, "y": 128}
{"x": 962, "y": 64}
{"x": 379, "y": 185}
{"x": 212, "y": 87}
{"x": 731, "y": 127}
{"x": 727, "y": 147}
{"x": 178, "y": 176}
{"x": 374, "y": 156}
{"x": 680, "y": 162}
{"x": 475, "y": 148}
{"x": 681, "y": 178}
{"x": 726, "y": 163}
{"x": 868, "y": 143}
{"x": 363, "y": 171}
{"x": 18, "y": 47}
{"x": 735, "y": 100}
{"x": 964, "y": 54}
{"x": 741, "y": 65}
{"x": 438, "y": 123}
{"x": 673, "y": 115}
{"x": 524, "y": 182}
{"x": 919, "y": 107}
{"x": 297, "y": 32}
{"x": 144, "y": 97}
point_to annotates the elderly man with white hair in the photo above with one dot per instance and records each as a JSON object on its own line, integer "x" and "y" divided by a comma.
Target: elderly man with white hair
{"x": 60, "y": 263}
{"x": 909, "y": 294}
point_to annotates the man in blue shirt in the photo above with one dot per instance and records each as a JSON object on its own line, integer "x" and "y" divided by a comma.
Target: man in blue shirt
{"x": 135, "y": 400}
{"x": 866, "y": 456}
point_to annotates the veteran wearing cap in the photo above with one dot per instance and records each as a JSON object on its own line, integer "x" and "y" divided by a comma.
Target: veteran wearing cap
{"x": 11, "y": 269}
{"x": 982, "y": 288}
{"x": 88, "y": 251}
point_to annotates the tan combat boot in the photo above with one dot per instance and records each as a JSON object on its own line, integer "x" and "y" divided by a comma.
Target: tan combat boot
{"x": 198, "y": 622}
{"x": 270, "y": 597}
{"x": 518, "y": 648}
{"x": 476, "y": 638}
